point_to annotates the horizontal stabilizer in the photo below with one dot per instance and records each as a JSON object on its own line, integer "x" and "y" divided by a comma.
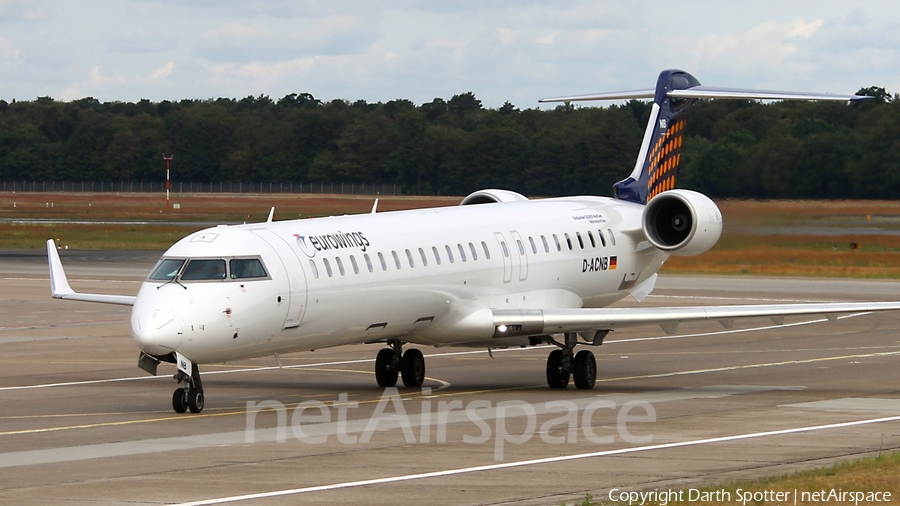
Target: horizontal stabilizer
{"x": 613, "y": 95}
{"x": 713, "y": 92}
{"x": 60, "y": 289}
{"x": 710, "y": 92}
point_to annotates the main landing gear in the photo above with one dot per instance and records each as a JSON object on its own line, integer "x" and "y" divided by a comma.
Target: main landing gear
{"x": 190, "y": 396}
{"x": 563, "y": 362}
{"x": 392, "y": 362}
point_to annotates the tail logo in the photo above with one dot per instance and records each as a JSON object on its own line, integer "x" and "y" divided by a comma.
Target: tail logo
{"x": 664, "y": 159}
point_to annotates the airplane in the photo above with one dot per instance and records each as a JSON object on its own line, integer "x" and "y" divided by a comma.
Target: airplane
{"x": 499, "y": 270}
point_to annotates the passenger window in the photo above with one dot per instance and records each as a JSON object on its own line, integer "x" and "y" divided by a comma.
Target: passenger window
{"x": 437, "y": 257}
{"x": 612, "y": 238}
{"x": 462, "y": 252}
{"x": 353, "y": 263}
{"x": 474, "y": 253}
{"x": 381, "y": 260}
{"x": 568, "y": 241}
{"x": 396, "y": 259}
{"x": 166, "y": 269}
{"x": 313, "y": 268}
{"x": 340, "y": 265}
{"x": 449, "y": 252}
{"x": 487, "y": 252}
{"x": 521, "y": 248}
{"x": 556, "y": 240}
{"x": 410, "y": 258}
{"x": 533, "y": 247}
{"x": 327, "y": 267}
{"x": 204, "y": 270}
{"x": 580, "y": 240}
{"x": 602, "y": 239}
{"x": 245, "y": 268}
{"x": 424, "y": 258}
{"x": 546, "y": 246}
{"x": 504, "y": 248}
{"x": 368, "y": 261}
{"x": 591, "y": 237}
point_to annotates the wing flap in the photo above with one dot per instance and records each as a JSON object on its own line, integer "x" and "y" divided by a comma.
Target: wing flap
{"x": 60, "y": 289}
{"x": 556, "y": 321}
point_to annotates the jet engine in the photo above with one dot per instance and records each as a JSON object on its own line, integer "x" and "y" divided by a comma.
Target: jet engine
{"x": 492, "y": 196}
{"x": 682, "y": 222}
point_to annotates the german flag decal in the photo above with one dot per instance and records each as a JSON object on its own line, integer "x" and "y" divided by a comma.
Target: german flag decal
{"x": 612, "y": 263}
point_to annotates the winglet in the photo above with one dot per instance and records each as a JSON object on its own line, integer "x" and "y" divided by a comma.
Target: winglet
{"x": 60, "y": 289}
{"x": 59, "y": 285}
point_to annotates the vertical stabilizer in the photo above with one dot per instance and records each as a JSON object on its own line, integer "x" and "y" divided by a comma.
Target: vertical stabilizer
{"x": 660, "y": 154}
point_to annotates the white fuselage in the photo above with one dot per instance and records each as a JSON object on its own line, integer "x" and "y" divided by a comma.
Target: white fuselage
{"x": 428, "y": 276}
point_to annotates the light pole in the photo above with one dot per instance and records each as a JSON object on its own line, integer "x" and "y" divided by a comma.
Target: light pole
{"x": 168, "y": 160}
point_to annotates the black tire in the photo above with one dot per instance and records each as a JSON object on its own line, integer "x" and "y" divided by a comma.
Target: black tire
{"x": 195, "y": 401}
{"x": 556, "y": 376}
{"x": 179, "y": 401}
{"x": 585, "y": 370}
{"x": 412, "y": 368}
{"x": 385, "y": 375}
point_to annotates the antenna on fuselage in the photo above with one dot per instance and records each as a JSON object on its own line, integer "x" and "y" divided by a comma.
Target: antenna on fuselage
{"x": 271, "y": 215}
{"x": 375, "y": 206}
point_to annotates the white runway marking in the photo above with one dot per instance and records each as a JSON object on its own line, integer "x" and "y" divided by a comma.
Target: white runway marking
{"x": 523, "y": 463}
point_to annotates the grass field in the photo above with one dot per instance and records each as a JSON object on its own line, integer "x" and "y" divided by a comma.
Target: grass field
{"x": 800, "y": 238}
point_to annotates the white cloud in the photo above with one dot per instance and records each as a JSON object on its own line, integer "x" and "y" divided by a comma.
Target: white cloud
{"x": 99, "y": 79}
{"x": 767, "y": 46}
{"x": 7, "y": 49}
{"x": 163, "y": 72}
{"x": 549, "y": 38}
{"x": 801, "y": 29}
{"x": 508, "y": 36}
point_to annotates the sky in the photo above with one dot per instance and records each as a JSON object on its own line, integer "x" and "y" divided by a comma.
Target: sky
{"x": 516, "y": 51}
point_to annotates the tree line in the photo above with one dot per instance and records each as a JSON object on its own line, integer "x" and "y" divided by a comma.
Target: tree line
{"x": 452, "y": 147}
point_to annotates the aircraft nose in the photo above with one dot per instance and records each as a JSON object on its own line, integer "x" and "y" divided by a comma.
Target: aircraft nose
{"x": 157, "y": 332}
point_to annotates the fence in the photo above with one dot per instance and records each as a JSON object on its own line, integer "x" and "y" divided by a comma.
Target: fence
{"x": 192, "y": 187}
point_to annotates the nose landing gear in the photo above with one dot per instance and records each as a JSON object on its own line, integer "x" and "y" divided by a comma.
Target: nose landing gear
{"x": 190, "y": 396}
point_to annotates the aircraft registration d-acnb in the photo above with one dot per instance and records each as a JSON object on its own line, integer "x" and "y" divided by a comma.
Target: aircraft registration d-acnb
{"x": 498, "y": 270}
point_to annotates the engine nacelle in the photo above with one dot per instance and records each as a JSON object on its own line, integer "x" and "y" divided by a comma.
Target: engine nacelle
{"x": 682, "y": 222}
{"x": 490, "y": 196}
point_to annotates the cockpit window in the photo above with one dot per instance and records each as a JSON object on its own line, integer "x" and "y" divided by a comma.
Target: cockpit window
{"x": 204, "y": 270}
{"x": 166, "y": 269}
{"x": 243, "y": 268}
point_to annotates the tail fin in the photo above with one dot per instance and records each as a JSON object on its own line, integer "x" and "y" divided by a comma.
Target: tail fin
{"x": 660, "y": 154}
{"x": 676, "y": 90}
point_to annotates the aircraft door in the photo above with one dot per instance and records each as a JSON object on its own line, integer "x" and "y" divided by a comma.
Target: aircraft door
{"x": 505, "y": 255}
{"x": 521, "y": 254}
{"x": 296, "y": 277}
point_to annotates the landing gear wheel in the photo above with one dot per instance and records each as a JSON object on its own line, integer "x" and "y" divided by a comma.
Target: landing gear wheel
{"x": 557, "y": 376}
{"x": 585, "y": 370}
{"x": 180, "y": 401}
{"x": 385, "y": 373}
{"x": 195, "y": 401}
{"x": 412, "y": 368}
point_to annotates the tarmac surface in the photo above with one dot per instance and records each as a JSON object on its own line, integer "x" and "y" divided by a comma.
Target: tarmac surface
{"x": 81, "y": 424}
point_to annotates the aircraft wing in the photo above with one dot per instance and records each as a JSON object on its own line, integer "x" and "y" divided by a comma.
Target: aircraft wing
{"x": 60, "y": 289}
{"x": 510, "y": 322}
